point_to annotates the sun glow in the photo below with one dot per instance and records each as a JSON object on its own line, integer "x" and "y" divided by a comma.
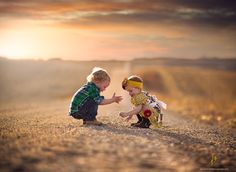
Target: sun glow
{"x": 14, "y": 48}
{"x": 41, "y": 42}
{"x": 15, "y": 44}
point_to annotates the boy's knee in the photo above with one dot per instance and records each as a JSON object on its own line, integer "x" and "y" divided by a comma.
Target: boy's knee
{"x": 77, "y": 116}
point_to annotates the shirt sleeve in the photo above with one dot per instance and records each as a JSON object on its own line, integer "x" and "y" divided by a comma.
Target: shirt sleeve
{"x": 95, "y": 95}
{"x": 98, "y": 99}
{"x": 140, "y": 99}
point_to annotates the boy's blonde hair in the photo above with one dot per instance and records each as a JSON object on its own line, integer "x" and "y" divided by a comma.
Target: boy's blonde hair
{"x": 134, "y": 78}
{"x": 98, "y": 75}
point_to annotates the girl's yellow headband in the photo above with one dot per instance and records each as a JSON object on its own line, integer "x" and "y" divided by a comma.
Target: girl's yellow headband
{"x": 135, "y": 84}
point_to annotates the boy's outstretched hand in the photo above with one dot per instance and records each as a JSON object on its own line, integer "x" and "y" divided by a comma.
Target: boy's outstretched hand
{"x": 116, "y": 99}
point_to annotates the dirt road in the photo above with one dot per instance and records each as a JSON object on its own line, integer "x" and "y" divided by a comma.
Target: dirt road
{"x": 40, "y": 136}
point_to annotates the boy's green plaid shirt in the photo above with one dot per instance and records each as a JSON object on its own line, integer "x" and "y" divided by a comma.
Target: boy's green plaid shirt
{"x": 88, "y": 91}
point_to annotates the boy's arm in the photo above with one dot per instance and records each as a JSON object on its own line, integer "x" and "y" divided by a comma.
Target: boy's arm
{"x": 114, "y": 98}
{"x": 106, "y": 101}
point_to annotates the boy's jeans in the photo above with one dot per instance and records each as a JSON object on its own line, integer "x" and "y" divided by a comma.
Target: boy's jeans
{"x": 87, "y": 112}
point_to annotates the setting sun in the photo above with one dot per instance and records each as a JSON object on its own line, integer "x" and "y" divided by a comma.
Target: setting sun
{"x": 38, "y": 41}
{"x": 18, "y": 43}
{"x": 15, "y": 47}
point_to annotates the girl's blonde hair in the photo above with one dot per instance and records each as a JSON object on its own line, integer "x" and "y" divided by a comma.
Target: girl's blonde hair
{"x": 98, "y": 75}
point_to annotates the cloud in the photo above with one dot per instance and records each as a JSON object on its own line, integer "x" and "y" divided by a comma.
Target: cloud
{"x": 213, "y": 13}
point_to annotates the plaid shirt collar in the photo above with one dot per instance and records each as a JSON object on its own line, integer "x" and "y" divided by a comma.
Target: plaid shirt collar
{"x": 94, "y": 85}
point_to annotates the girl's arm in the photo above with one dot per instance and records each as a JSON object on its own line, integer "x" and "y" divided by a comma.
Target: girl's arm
{"x": 114, "y": 98}
{"x": 135, "y": 111}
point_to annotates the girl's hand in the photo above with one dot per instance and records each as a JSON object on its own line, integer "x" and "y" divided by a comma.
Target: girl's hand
{"x": 123, "y": 114}
{"x": 116, "y": 99}
{"x": 129, "y": 118}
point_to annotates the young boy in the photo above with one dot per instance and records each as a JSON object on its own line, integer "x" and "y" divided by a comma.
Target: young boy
{"x": 84, "y": 103}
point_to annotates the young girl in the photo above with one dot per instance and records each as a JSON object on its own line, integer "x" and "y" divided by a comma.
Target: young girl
{"x": 147, "y": 107}
{"x": 84, "y": 103}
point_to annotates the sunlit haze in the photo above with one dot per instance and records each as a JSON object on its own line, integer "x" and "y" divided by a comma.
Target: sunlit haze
{"x": 115, "y": 29}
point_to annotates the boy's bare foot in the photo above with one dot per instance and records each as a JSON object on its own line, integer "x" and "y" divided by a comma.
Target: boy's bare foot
{"x": 94, "y": 122}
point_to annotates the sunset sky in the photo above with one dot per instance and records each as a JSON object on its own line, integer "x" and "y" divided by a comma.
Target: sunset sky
{"x": 117, "y": 29}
